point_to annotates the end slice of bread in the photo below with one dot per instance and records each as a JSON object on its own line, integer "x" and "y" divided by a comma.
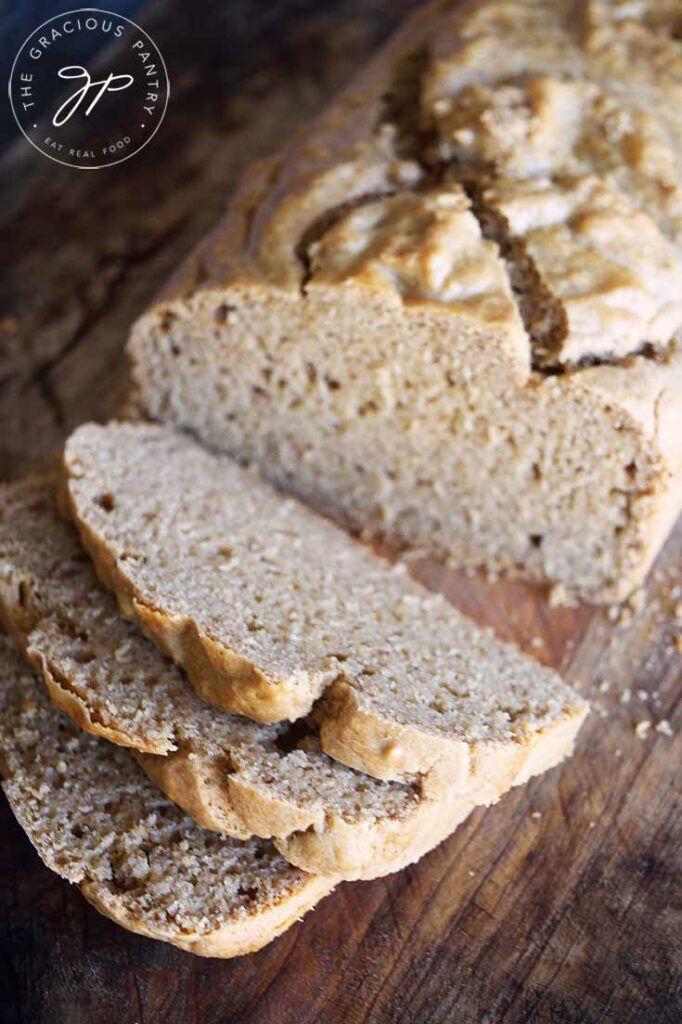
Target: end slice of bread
{"x": 230, "y": 774}
{"x": 271, "y": 608}
{"x": 97, "y": 821}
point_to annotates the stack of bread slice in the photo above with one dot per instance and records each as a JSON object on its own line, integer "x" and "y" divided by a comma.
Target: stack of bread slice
{"x": 296, "y": 710}
{"x": 96, "y": 820}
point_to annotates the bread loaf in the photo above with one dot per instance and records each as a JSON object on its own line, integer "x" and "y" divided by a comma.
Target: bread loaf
{"x": 274, "y": 611}
{"x": 97, "y": 821}
{"x": 230, "y": 774}
{"x": 450, "y": 313}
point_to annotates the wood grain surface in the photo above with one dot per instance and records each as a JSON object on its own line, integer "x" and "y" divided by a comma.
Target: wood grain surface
{"x": 562, "y": 903}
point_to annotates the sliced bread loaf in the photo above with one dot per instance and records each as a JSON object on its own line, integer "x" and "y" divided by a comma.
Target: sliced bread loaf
{"x": 97, "y": 821}
{"x": 230, "y": 774}
{"x": 272, "y": 609}
{"x": 447, "y": 313}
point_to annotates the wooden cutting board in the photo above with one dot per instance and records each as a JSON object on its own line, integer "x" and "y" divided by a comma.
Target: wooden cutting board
{"x": 562, "y": 903}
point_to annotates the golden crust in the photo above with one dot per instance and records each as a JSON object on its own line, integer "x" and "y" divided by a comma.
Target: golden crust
{"x": 390, "y": 845}
{"x": 79, "y": 710}
{"x": 237, "y": 938}
{"x": 381, "y": 747}
{"x": 199, "y": 785}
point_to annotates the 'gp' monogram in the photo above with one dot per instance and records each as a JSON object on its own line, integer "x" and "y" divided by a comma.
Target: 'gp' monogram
{"x": 112, "y": 83}
{"x": 88, "y": 88}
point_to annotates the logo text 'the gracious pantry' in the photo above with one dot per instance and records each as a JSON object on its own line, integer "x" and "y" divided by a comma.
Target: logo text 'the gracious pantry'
{"x": 89, "y": 88}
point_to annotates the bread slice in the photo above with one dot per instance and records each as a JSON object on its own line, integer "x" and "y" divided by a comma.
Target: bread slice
{"x": 448, "y": 314}
{"x": 97, "y": 821}
{"x": 272, "y": 609}
{"x": 230, "y": 774}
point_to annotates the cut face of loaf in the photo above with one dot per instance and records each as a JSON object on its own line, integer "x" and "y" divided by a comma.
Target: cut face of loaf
{"x": 272, "y": 609}
{"x": 496, "y": 383}
{"x": 97, "y": 821}
{"x": 230, "y": 774}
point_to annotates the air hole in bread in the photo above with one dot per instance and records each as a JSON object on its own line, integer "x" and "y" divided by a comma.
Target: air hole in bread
{"x": 249, "y": 892}
{"x": 222, "y": 312}
{"x": 106, "y": 501}
{"x": 167, "y": 321}
{"x": 293, "y": 735}
{"x": 83, "y": 656}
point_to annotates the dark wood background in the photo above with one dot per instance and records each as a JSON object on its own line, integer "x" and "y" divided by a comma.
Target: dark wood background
{"x": 563, "y": 903}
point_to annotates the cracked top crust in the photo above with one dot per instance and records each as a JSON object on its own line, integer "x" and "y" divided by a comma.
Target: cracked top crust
{"x": 545, "y": 126}
{"x": 501, "y": 94}
{"x": 425, "y": 247}
{"x": 614, "y": 278}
